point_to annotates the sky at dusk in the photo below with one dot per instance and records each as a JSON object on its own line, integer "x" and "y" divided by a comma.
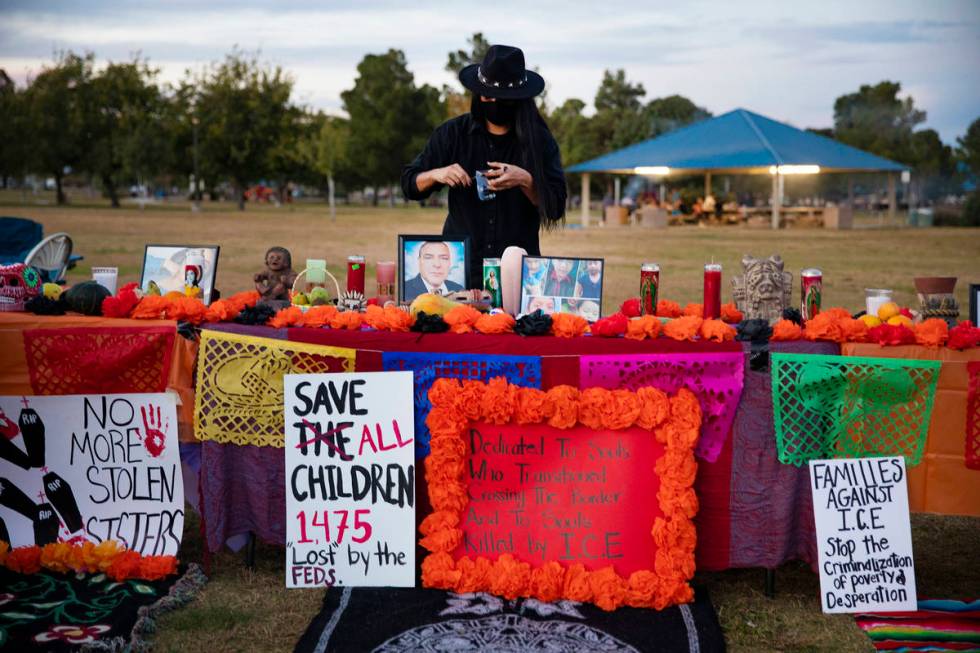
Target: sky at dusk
{"x": 786, "y": 60}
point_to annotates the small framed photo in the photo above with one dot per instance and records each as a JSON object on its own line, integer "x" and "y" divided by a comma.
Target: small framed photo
{"x": 974, "y": 303}
{"x": 431, "y": 264}
{"x": 562, "y": 285}
{"x": 188, "y": 269}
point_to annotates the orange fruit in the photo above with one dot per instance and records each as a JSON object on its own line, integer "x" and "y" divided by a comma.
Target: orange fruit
{"x": 870, "y": 320}
{"x": 888, "y": 310}
{"x": 900, "y": 320}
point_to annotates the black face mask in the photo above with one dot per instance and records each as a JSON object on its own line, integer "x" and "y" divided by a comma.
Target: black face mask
{"x": 501, "y": 112}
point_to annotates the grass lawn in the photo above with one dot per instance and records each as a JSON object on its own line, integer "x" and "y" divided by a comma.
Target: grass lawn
{"x": 243, "y": 609}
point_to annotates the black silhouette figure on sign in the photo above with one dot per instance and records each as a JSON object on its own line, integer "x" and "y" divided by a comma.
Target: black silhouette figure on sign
{"x": 58, "y": 492}
{"x": 11, "y": 497}
{"x": 46, "y": 525}
{"x": 4, "y": 535}
{"x": 8, "y": 450}
{"x": 32, "y": 429}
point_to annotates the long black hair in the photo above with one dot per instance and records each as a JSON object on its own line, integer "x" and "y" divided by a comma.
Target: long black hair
{"x": 533, "y": 136}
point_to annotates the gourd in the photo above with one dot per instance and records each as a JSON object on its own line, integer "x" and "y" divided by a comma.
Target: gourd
{"x": 432, "y": 304}
{"x": 86, "y": 297}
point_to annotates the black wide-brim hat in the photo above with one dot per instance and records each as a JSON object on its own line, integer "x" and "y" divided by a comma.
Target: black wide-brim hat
{"x": 502, "y": 75}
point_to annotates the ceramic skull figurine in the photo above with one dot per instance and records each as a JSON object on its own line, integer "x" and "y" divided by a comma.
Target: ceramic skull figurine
{"x": 18, "y": 283}
{"x": 764, "y": 290}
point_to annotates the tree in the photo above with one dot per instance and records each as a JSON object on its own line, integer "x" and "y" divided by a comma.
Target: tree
{"x": 56, "y": 105}
{"x": 876, "y": 120}
{"x": 390, "y": 117}
{"x": 619, "y": 119}
{"x": 243, "y": 108}
{"x": 969, "y": 148}
{"x": 126, "y": 118}
{"x": 329, "y": 155}
{"x": 13, "y": 130}
{"x": 457, "y": 103}
{"x": 574, "y": 132}
{"x": 669, "y": 113}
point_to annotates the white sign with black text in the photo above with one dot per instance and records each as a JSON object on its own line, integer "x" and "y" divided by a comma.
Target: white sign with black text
{"x": 91, "y": 467}
{"x": 864, "y": 542}
{"x": 350, "y": 479}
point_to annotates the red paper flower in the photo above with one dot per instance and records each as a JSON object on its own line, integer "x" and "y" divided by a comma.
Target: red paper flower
{"x": 72, "y": 634}
{"x": 963, "y": 336}
{"x": 631, "y": 307}
{"x": 890, "y": 334}
{"x": 611, "y": 327}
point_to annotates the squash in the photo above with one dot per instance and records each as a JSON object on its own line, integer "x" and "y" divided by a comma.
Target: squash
{"x": 86, "y": 297}
{"x": 432, "y": 304}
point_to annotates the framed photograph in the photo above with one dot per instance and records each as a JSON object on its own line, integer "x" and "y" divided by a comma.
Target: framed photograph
{"x": 431, "y": 263}
{"x": 562, "y": 285}
{"x": 182, "y": 268}
{"x": 974, "y": 303}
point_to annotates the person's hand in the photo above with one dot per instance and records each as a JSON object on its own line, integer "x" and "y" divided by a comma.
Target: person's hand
{"x": 502, "y": 176}
{"x": 452, "y": 176}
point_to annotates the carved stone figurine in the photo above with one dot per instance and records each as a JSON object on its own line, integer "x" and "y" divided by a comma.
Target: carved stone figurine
{"x": 277, "y": 279}
{"x": 764, "y": 290}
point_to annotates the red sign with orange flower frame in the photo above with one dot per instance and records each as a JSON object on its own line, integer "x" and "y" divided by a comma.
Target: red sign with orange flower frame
{"x": 562, "y": 494}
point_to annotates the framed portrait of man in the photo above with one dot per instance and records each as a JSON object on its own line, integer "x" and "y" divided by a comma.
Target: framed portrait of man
{"x": 188, "y": 269}
{"x": 431, "y": 264}
{"x": 562, "y": 285}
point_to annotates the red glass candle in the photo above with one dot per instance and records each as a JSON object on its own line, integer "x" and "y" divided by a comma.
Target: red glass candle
{"x": 355, "y": 274}
{"x": 649, "y": 288}
{"x": 712, "y": 291}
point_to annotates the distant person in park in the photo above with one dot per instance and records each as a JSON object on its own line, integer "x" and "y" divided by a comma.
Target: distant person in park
{"x": 435, "y": 262}
{"x": 504, "y": 135}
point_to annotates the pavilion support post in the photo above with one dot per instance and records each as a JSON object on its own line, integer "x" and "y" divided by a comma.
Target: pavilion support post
{"x": 850, "y": 192}
{"x": 663, "y": 193}
{"x": 586, "y": 200}
{"x": 891, "y": 196}
{"x": 777, "y": 198}
{"x": 707, "y": 184}
{"x": 616, "y": 190}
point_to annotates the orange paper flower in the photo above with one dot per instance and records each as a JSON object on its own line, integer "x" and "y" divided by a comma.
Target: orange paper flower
{"x": 683, "y": 328}
{"x": 374, "y": 317}
{"x": 495, "y": 323}
{"x": 933, "y": 332}
{"x": 318, "y": 317}
{"x": 697, "y": 310}
{"x": 647, "y": 326}
{"x": 786, "y": 330}
{"x": 350, "y": 320}
{"x": 287, "y": 317}
{"x": 398, "y": 320}
{"x": 717, "y": 331}
{"x": 853, "y": 330}
{"x": 825, "y": 325}
{"x": 566, "y": 325}
{"x": 461, "y": 318}
{"x": 24, "y": 560}
{"x": 667, "y": 308}
{"x": 731, "y": 314}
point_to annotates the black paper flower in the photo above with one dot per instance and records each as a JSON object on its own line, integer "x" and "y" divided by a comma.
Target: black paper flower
{"x": 41, "y": 305}
{"x": 793, "y": 315}
{"x": 426, "y": 323}
{"x": 537, "y": 323}
{"x": 755, "y": 330}
{"x": 258, "y": 314}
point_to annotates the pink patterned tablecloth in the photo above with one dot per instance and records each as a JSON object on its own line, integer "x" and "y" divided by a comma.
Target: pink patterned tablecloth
{"x": 715, "y": 378}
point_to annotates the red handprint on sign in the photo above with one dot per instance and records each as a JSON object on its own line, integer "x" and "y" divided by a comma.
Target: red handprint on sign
{"x": 154, "y": 439}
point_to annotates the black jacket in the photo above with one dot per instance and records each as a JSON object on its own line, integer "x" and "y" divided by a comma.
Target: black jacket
{"x": 508, "y": 219}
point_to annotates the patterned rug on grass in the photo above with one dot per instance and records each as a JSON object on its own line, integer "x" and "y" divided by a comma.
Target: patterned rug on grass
{"x": 938, "y": 625}
{"x": 388, "y": 620}
{"x": 88, "y": 612}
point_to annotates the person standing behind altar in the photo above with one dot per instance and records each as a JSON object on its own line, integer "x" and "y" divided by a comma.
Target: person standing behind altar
{"x": 504, "y": 137}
